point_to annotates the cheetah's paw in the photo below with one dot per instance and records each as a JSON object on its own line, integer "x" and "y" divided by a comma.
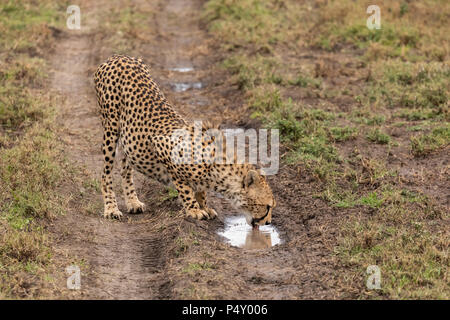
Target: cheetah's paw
{"x": 112, "y": 214}
{"x": 211, "y": 212}
{"x": 198, "y": 214}
{"x": 135, "y": 207}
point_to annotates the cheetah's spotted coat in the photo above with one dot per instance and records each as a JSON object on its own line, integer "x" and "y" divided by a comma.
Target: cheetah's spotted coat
{"x": 136, "y": 114}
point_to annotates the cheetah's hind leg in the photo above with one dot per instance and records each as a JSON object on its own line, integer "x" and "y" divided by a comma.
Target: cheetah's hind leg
{"x": 131, "y": 200}
{"x": 110, "y": 139}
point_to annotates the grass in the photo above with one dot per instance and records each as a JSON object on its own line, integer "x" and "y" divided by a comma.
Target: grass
{"x": 375, "y": 135}
{"x": 424, "y": 144}
{"x": 181, "y": 245}
{"x": 192, "y": 268}
{"x": 412, "y": 34}
{"x": 403, "y": 75}
{"x": 31, "y": 159}
{"x": 124, "y": 26}
{"x": 26, "y": 27}
{"x": 409, "y": 85}
{"x": 340, "y": 134}
{"x": 171, "y": 194}
{"x": 371, "y": 200}
{"x": 249, "y": 22}
{"x": 404, "y": 265}
{"x": 250, "y": 73}
{"x": 32, "y": 162}
{"x": 417, "y": 114}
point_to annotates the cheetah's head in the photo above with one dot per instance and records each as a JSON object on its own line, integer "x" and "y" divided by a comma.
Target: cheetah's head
{"x": 258, "y": 201}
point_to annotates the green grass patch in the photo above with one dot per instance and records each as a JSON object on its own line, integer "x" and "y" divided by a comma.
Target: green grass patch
{"x": 249, "y": 72}
{"x": 125, "y": 26}
{"x": 375, "y": 135}
{"x": 392, "y": 39}
{"x": 304, "y": 81}
{"x": 408, "y": 270}
{"x": 418, "y": 114}
{"x": 340, "y": 134}
{"x": 26, "y": 25}
{"x": 412, "y": 31}
{"x": 397, "y": 84}
{"x": 424, "y": 144}
{"x": 246, "y": 22}
{"x": 365, "y": 117}
{"x": 303, "y": 130}
{"x": 371, "y": 200}
{"x": 170, "y": 194}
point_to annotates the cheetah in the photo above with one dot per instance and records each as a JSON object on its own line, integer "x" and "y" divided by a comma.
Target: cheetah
{"x": 137, "y": 116}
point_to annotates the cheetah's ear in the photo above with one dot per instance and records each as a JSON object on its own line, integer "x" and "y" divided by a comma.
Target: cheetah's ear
{"x": 251, "y": 178}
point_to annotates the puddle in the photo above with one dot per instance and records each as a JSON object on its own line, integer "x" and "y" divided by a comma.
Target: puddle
{"x": 239, "y": 234}
{"x": 183, "y": 86}
{"x": 182, "y": 69}
{"x": 199, "y": 101}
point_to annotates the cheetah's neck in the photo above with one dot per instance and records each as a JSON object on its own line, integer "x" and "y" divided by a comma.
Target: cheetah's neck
{"x": 227, "y": 179}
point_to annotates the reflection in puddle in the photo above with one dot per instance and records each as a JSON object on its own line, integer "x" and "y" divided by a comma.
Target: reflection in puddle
{"x": 239, "y": 234}
{"x": 182, "y": 69}
{"x": 183, "y": 86}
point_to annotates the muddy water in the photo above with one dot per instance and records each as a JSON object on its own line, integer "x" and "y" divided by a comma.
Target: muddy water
{"x": 239, "y": 234}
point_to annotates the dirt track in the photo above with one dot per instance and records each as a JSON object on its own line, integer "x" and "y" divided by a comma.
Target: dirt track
{"x": 150, "y": 256}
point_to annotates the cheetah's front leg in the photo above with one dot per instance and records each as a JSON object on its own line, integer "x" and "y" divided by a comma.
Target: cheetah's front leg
{"x": 190, "y": 204}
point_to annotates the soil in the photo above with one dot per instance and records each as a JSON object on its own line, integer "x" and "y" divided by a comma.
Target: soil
{"x": 161, "y": 254}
